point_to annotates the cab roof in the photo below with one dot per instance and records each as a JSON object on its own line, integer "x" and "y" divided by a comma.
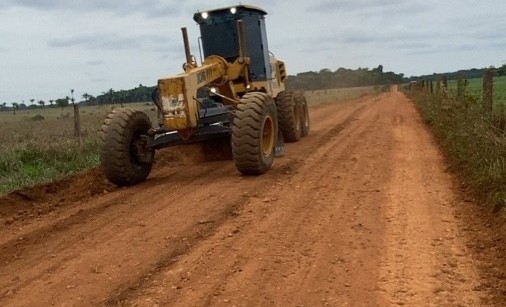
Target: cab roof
{"x": 240, "y": 9}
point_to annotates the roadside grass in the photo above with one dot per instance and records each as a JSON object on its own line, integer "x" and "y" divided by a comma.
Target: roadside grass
{"x": 33, "y": 163}
{"x": 38, "y": 146}
{"x": 474, "y": 144}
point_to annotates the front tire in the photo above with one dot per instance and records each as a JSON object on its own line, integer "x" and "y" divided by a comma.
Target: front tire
{"x": 254, "y": 133}
{"x": 125, "y": 157}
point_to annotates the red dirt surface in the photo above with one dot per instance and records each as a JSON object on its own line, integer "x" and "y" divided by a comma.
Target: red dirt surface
{"x": 360, "y": 213}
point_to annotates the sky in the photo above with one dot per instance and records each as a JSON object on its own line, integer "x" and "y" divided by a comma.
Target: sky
{"x": 48, "y": 47}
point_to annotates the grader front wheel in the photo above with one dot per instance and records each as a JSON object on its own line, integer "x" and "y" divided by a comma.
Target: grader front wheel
{"x": 254, "y": 134}
{"x": 126, "y": 159}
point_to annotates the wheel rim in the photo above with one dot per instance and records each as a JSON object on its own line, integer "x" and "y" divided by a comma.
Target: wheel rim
{"x": 267, "y": 136}
{"x": 137, "y": 149}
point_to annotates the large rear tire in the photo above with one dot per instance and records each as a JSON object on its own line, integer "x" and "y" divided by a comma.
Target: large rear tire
{"x": 301, "y": 101}
{"x": 254, "y": 133}
{"x": 289, "y": 115}
{"x": 126, "y": 160}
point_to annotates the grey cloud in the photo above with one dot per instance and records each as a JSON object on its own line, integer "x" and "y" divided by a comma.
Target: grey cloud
{"x": 408, "y": 40}
{"x": 99, "y": 80}
{"x": 499, "y": 45}
{"x": 151, "y": 8}
{"x": 487, "y": 34}
{"x": 351, "y": 5}
{"x": 411, "y": 45}
{"x": 95, "y": 62}
{"x": 372, "y": 9}
{"x": 424, "y": 52}
{"x": 111, "y": 42}
{"x": 366, "y": 36}
{"x": 100, "y": 41}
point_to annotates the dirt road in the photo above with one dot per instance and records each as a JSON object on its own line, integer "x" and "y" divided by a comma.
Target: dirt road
{"x": 360, "y": 213}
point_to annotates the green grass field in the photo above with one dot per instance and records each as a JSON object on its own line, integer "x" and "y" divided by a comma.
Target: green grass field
{"x": 39, "y": 145}
{"x": 475, "y": 88}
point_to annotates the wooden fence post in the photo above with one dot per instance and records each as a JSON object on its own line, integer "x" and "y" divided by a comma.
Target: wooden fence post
{"x": 460, "y": 87}
{"x": 438, "y": 86}
{"x": 488, "y": 87}
{"x": 445, "y": 82}
{"x": 431, "y": 86}
{"x": 77, "y": 122}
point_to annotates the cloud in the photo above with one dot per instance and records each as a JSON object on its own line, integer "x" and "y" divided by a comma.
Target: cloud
{"x": 95, "y": 62}
{"x": 411, "y": 45}
{"x": 351, "y": 5}
{"x": 151, "y": 8}
{"x": 111, "y": 41}
{"x": 99, "y": 80}
{"x": 362, "y": 36}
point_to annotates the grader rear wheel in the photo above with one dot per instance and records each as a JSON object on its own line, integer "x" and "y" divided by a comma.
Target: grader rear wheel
{"x": 126, "y": 160}
{"x": 301, "y": 101}
{"x": 289, "y": 115}
{"x": 254, "y": 134}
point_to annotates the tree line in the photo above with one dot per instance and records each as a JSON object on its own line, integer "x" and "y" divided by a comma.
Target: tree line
{"x": 472, "y": 73}
{"x": 311, "y": 80}
{"x": 342, "y": 78}
{"x": 139, "y": 94}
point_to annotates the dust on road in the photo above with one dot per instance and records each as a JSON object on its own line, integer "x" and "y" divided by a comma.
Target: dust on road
{"x": 360, "y": 213}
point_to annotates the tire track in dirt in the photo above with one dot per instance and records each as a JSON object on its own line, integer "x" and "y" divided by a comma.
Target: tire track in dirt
{"x": 426, "y": 261}
{"x": 253, "y": 270}
{"x": 286, "y": 170}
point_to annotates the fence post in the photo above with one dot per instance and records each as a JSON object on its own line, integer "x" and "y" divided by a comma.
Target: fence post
{"x": 431, "y": 86}
{"x": 460, "y": 87}
{"x": 445, "y": 82}
{"x": 438, "y": 86}
{"x": 488, "y": 84}
{"x": 77, "y": 122}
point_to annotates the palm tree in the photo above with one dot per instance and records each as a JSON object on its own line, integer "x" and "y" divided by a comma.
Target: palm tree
{"x": 42, "y": 103}
{"x": 15, "y": 106}
{"x": 51, "y": 102}
{"x": 86, "y": 96}
{"x": 4, "y": 105}
{"x": 32, "y": 100}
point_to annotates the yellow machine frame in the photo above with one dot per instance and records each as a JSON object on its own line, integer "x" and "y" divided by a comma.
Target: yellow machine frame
{"x": 178, "y": 95}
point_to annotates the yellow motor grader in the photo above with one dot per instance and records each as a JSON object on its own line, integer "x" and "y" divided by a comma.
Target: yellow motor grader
{"x": 237, "y": 93}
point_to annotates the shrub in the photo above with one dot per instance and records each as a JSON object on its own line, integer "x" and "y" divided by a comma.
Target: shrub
{"x": 473, "y": 143}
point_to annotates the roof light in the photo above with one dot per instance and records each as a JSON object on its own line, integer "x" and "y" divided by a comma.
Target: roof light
{"x": 233, "y": 10}
{"x": 204, "y": 15}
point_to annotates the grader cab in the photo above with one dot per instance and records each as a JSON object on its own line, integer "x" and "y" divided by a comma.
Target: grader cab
{"x": 237, "y": 93}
